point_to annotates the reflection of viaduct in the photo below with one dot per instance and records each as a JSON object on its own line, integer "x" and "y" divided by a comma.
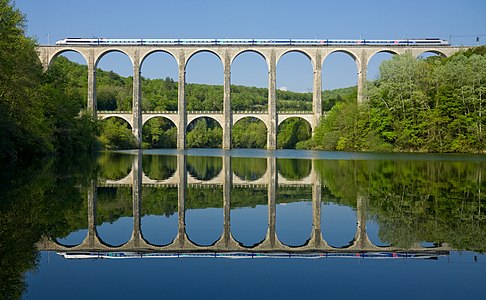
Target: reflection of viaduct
{"x": 226, "y": 243}
{"x": 227, "y": 54}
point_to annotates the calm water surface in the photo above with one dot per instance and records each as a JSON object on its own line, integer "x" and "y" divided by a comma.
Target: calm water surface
{"x": 364, "y": 214}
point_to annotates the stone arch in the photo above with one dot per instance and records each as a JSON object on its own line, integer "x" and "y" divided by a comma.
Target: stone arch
{"x": 191, "y": 119}
{"x": 265, "y": 58}
{"x": 262, "y": 118}
{"x": 213, "y": 141}
{"x": 58, "y": 52}
{"x": 292, "y": 138}
{"x": 192, "y": 54}
{"x": 389, "y": 51}
{"x": 117, "y": 116}
{"x": 304, "y": 52}
{"x": 107, "y": 51}
{"x": 433, "y": 51}
{"x": 162, "y": 63}
{"x": 282, "y": 119}
{"x": 166, "y": 138}
{"x": 345, "y": 51}
{"x": 153, "y": 51}
{"x": 246, "y": 141}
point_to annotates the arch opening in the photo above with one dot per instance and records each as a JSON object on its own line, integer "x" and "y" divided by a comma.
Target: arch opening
{"x": 249, "y": 82}
{"x": 204, "y": 168}
{"x": 204, "y": 215}
{"x": 374, "y": 63}
{"x": 114, "y": 165}
{"x": 431, "y": 54}
{"x": 204, "y": 132}
{"x": 249, "y": 215}
{"x": 339, "y": 79}
{"x": 294, "y": 215}
{"x": 293, "y": 133}
{"x": 249, "y": 169}
{"x": 114, "y": 82}
{"x": 159, "y": 167}
{"x": 249, "y": 132}
{"x": 204, "y": 76}
{"x": 159, "y": 132}
{"x": 159, "y": 82}
{"x": 114, "y": 213}
{"x": 116, "y": 134}
{"x": 72, "y": 67}
{"x": 338, "y": 224}
{"x": 159, "y": 211}
{"x": 294, "y": 82}
{"x": 294, "y": 169}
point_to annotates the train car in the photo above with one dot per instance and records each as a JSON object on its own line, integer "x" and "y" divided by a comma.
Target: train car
{"x": 301, "y": 42}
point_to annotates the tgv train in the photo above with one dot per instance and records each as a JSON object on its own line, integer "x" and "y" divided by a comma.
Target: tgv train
{"x": 301, "y": 42}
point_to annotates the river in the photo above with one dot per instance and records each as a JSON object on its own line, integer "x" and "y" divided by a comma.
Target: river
{"x": 245, "y": 224}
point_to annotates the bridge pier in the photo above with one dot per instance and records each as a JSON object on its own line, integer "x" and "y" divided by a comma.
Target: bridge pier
{"x": 317, "y": 92}
{"x": 363, "y": 68}
{"x": 272, "y": 102}
{"x": 227, "y": 115}
{"x": 181, "y": 104}
{"x": 137, "y": 101}
{"x": 92, "y": 105}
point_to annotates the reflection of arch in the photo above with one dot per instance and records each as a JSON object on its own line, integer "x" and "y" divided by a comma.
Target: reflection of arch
{"x": 249, "y": 172}
{"x": 204, "y": 168}
{"x": 61, "y": 51}
{"x": 159, "y": 170}
{"x": 289, "y": 170}
{"x": 102, "y": 54}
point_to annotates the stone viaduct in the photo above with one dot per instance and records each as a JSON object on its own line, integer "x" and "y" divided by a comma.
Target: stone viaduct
{"x": 227, "y": 54}
{"x": 226, "y": 243}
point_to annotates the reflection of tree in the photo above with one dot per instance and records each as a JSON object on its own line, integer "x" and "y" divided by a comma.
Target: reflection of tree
{"x": 415, "y": 201}
{"x": 159, "y": 167}
{"x": 114, "y": 165}
{"x": 295, "y": 169}
{"x": 249, "y": 168}
{"x": 204, "y": 167}
{"x": 35, "y": 200}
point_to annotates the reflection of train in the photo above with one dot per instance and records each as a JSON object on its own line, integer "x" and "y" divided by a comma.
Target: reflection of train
{"x": 286, "y": 42}
{"x": 234, "y": 255}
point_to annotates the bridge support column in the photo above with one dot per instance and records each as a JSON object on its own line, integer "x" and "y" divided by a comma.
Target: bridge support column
{"x": 92, "y": 195}
{"x": 137, "y": 198}
{"x": 362, "y": 69}
{"x": 227, "y": 115}
{"x": 317, "y": 92}
{"x": 181, "y": 196}
{"x": 272, "y": 102}
{"x": 181, "y": 106}
{"x": 92, "y": 83}
{"x": 316, "y": 209}
{"x": 227, "y": 185}
{"x": 137, "y": 102}
{"x": 272, "y": 201}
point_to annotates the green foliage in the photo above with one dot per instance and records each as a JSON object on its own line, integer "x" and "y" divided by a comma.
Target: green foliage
{"x": 204, "y": 133}
{"x": 39, "y": 112}
{"x": 433, "y": 105}
{"x": 116, "y": 135}
{"x": 292, "y": 131}
{"x": 249, "y": 133}
{"x": 159, "y": 133}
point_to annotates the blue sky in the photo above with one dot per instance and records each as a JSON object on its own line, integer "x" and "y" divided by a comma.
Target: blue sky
{"x": 461, "y": 20}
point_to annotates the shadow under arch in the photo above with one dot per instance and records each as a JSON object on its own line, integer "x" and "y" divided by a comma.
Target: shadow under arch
{"x": 291, "y": 131}
{"x": 297, "y": 50}
{"x": 146, "y": 55}
{"x": 249, "y": 132}
{"x": 387, "y": 51}
{"x": 434, "y": 52}
{"x": 256, "y": 51}
{"x": 344, "y": 51}
{"x": 159, "y": 132}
